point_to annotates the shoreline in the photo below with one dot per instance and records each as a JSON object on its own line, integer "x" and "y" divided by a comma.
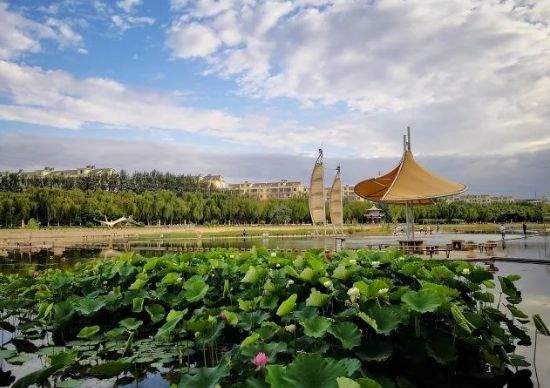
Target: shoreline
{"x": 81, "y": 234}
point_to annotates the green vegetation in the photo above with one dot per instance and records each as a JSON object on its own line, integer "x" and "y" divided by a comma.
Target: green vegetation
{"x": 364, "y": 319}
{"x": 76, "y": 207}
{"x": 137, "y": 182}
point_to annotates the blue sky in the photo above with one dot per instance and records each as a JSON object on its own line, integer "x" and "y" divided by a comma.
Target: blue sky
{"x": 178, "y": 84}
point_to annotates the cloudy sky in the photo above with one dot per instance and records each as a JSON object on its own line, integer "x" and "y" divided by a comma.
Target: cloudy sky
{"x": 250, "y": 89}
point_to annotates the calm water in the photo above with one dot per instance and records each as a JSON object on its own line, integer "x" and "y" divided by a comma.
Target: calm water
{"x": 534, "y": 283}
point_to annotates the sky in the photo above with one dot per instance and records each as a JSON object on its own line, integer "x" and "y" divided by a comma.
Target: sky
{"x": 251, "y": 89}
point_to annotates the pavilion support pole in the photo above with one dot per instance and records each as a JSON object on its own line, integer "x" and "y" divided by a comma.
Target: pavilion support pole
{"x": 409, "y": 220}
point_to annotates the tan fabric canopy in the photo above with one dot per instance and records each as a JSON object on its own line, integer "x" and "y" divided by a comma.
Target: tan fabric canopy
{"x": 409, "y": 182}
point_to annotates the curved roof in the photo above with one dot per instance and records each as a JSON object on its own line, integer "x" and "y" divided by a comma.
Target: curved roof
{"x": 408, "y": 182}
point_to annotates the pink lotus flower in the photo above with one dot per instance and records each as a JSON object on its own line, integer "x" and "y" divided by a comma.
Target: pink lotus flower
{"x": 260, "y": 360}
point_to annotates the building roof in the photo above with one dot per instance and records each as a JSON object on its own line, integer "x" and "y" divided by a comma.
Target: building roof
{"x": 408, "y": 182}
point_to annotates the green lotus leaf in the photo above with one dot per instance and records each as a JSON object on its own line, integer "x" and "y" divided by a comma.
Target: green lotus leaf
{"x": 306, "y": 274}
{"x": 252, "y": 338}
{"x": 508, "y": 288}
{"x": 441, "y": 349}
{"x": 440, "y": 289}
{"x": 253, "y": 275}
{"x": 287, "y": 306}
{"x": 364, "y": 382}
{"x": 156, "y": 312}
{"x": 275, "y": 376}
{"x": 314, "y": 371}
{"x": 139, "y": 283}
{"x": 137, "y": 305}
{"x": 268, "y": 330}
{"x": 316, "y": 326}
{"x": 63, "y": 359}
{"x": 540, "y": 325}
{"x": 346, "y": 382}
{"x": 108, "y": 369}
{"x": 516, "y": 312}
{"x": 422, "y": 301}
{"x": 347, "y": 333}
{"x": 131, "y": 323}
{"x": 484, "y": 296}
{"x": 7, "y": 353}
{"x": 441, "y": 272}
{"x": 41, "y": 376}
{"x": 87, "y": 306}
{"x": 340, "y": 272}
{"x": 172, "y": 319}
{"x": 316, "y": 298}
{"x": 460, "y": 319}
{"x": 377, "y": 349}
{"x": 204, "y": 377}
{"x": 480, "y": 275}
{"x": 195, "y": 289}
{"x": 387, "y": 319}
{"x": 171, "y": 278}
{"x": 19, "y": 359}
{"x": 69, "y": 383}
{"x": 88, "y": 331}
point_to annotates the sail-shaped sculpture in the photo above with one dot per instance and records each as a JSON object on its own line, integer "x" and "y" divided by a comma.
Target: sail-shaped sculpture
{"x": 317, "y": 192}
{"x": 336, "y": 207}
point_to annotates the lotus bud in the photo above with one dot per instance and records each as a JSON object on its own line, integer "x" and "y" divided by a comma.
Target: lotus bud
{"x": 260, "y": 360}
{"x": 353, "y": 294}
{"x": 291, "y": 328}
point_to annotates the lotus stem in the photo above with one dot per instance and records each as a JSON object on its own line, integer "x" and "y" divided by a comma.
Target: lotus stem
{"x": 535, "y": 358}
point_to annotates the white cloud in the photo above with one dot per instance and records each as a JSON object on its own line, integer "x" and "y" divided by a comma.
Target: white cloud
{"x": 19, "y": 35}
{"x": 471, "y": 76}
{"x": 128, "y": 5}
{"x": 192, "y": 40}
{"x": 58, "y": 99}
{"x": 125, "y": 22}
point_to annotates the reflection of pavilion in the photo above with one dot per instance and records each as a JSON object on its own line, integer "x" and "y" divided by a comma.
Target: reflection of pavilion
{"x": 374, "y": 215}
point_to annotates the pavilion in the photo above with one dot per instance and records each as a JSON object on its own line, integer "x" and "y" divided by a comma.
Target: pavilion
{"x": 407, "y": 184}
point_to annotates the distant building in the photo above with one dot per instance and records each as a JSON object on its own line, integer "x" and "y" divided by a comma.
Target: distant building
{"x": 482, "y": 198}
{"x": 269, "y": 190}
{"x": 214, "y": 181}
{"x": 89, "y": 170}
{"x": 374, "y": 215}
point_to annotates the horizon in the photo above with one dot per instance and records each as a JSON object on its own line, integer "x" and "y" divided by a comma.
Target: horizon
{"x": 251, "y": 90}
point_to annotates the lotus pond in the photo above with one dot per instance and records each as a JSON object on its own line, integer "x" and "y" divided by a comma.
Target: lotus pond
{"x": 258, "y": 319}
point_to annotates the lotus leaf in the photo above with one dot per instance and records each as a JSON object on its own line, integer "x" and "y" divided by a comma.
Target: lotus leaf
{"x": 422, "y": 301}
{"x": 287, "y": 306}
{"x": 131, "y": 324}
{"x": 88, "y": 331}
{"x": 316, "y": 298}
{"x": 195, "y": 289}
{"x": 347, "y": 333}
{"x": 316, "y": 326}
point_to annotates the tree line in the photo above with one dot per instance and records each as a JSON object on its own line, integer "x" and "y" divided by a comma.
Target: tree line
{"x": 72, "y": 207}
{"x": 138, "y": 182}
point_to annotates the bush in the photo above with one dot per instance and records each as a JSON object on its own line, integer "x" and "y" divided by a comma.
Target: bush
{"x": 257, "y": 318}
{"x": 33, "y": 224}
